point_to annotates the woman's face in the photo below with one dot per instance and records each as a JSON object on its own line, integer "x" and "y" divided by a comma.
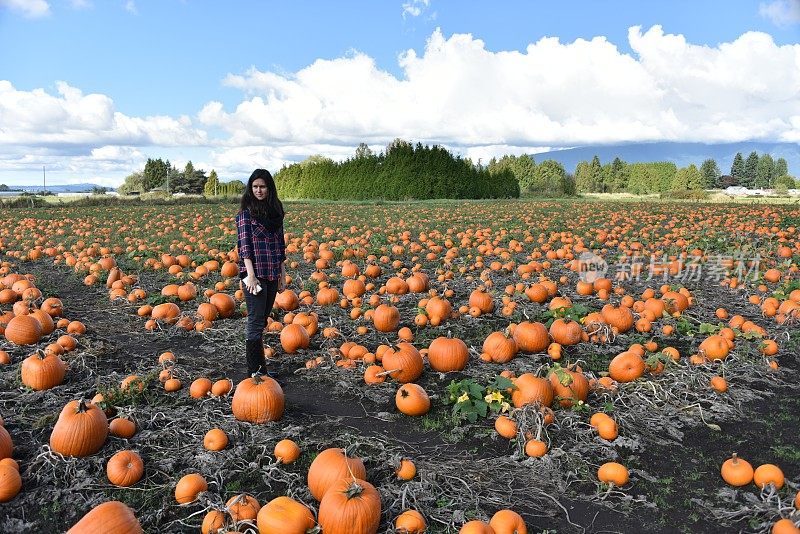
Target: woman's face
{"x": 259, "y": 188}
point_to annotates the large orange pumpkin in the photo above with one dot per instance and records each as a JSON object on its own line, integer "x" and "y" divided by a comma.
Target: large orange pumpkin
{"x": 111, "y": 516}
{"x": 350, "y": 507}
{"x": 23, "y": 330}
{"x": 258, "y": 400}
{"x": 330, "y": 466}
{"x": 405, "y": 363}
{"x": 531, "y": 388}
{"x": 81, "y": 429}
{"x": 626, "y": 367}
{"x": 284, "y": 515}
{"x": 448, "y": 354}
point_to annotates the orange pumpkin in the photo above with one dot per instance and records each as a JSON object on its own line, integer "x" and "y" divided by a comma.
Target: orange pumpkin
{"x": 626, "y": 367}
{"x": 531, "y": 388}
{"x": 448, "y": 354}
{"x": 330, "y": 466}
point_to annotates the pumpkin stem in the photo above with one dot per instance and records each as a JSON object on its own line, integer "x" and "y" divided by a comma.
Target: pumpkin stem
{"x": 82, "y": 407}
{"x": 354, "y": 489}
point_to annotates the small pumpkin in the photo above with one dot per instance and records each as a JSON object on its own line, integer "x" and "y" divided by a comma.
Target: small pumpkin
{"x": 6, "y": 444}
{"x": 23, "y": 330}
{"x": 200, "y": 388}
{"x": 294, "y": 337}
{"x": 215, "y": 440}
{"x": 122, "y": 427}
{"x": 125, "y": 468}
{"x": 476, "y": 527}
{"x": 189, "y": 487}
{"x": 768, "y": 474}
{"x": 406, "y": 470}
{"x": 500, "y": 347}
{"x": 243, "y": 507}
{"x": 10, "y": 482}
{"x": 506, "y": 427}
{"x": 412, "y": 399}
{"x": 568, "y": 385}
{"x": 613, "y": 473}
{"x": 714, "y": 347}
{"x": 566, "y": 332}
{"x": 286, "y": 451}
{"x": 410, "y": 522}
{"x": 535, "y": 448}
{"x": 508, "y": 522}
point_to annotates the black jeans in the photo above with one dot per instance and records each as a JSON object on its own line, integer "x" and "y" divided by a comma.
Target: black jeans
{"x": 259, "y": 306}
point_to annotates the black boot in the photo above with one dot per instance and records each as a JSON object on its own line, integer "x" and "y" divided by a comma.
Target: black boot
{"x": 255, "y": 357}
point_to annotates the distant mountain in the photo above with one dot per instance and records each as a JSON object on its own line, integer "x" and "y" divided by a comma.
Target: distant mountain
{"x": 58, "y": 188}
{"x": 682, "y": 154}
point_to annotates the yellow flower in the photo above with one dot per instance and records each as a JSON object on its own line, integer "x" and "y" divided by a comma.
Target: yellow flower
{"x": 504, "y": 407}
{"x": 494, "y": 396}
{"x": 463, "y": 398}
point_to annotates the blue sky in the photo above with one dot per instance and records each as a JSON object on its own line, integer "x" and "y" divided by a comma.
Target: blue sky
{"x": 92, "y": 88}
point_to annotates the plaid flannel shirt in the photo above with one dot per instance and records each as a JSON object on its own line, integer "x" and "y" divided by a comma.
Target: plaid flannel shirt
{"x": 266, "y": 249}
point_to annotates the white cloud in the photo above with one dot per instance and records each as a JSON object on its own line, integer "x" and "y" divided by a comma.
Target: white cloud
{"x": 552, "y": 94}
{"x": 130, "y": 7}
{"x": 28, "y": 8}
{"x": 80, "y": 4}
{"x": 782, "y": 13}
{"x": 70, "y": 118}
{"x": 456, "y": 93}
{"x": 414, "y": 8}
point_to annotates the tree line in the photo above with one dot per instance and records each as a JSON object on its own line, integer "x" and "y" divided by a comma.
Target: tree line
{"x": 401, "y": 171}
{"x": 592, "y": 176}
{"x": 404, "y": 171}
{"x": 161, "y": 175}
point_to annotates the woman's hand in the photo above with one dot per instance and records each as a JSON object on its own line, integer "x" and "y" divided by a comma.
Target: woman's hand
{"x": 251, "y": 283}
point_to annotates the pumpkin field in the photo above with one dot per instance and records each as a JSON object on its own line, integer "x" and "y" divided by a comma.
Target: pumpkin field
{"x": 477, "y": 367}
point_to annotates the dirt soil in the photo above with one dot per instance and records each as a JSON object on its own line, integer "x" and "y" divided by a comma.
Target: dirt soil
{"x": 672, "y": 438}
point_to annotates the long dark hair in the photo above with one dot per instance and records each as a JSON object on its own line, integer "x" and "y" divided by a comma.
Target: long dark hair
{"x": 270, "y": 207}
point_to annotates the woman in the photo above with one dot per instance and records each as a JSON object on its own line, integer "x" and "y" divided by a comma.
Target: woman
{"x": 262, "y": 253}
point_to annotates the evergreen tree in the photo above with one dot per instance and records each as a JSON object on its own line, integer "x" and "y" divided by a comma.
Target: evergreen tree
{"x": 737, "y": 168}
{"x": 524, "y": 169}
{"x": 781, "y": 167}
{"x": 710, "y": 172}
{"x": 694, "y": 178}
{"x": 596, "y": 173}
{"x": 212, "y": 185}
{"x": 550, "y": 178}
{"x": 583, "y": 177}
{"x": 619, "y": 175}
{"x": 764, "y": 172}
{"x": 155, "y": 173}
{"x": 750, "y": 167}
